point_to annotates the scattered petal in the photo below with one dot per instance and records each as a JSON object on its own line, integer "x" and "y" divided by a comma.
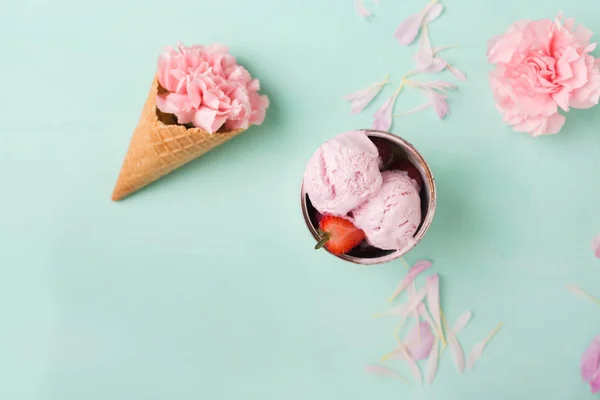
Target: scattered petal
{"x": 596, "y": 246}
{"x": 462, "y": 322}
{"x": 479, "y": 347}
{"x": 419, "y": 341}
{"x": 360, "y": 99}
{"x": 382, "y": 370}
{"x": 408, "y": 30}
{"x": 434, "y": 12}
{"x": 442, "y": 86}
{"x": 412, "y": 364}
{"x": 424, "y": 56}
{"x": 432, "y": 363}
{"x": 410, "y": 276}
{"x": 457, "y": 73}
{"x": 382, "y": 119}
{"x": 455, "y": 348}
{"x": 441, "y": 49}
{"x": 432, "y": 284}
{"x": 361, "y": 9}
{"x": 438, "y": 102}
{"x": 582, "y": 293}
{"x": 404, "y": 310}
{"x": 414, "y": 110}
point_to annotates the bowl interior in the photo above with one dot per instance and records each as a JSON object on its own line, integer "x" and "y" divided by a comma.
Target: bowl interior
{"x": 401, "y": 150}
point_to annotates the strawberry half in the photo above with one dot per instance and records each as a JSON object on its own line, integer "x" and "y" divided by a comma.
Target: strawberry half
{"x": 338, "y": 235}
{"x": 412, "y": 171}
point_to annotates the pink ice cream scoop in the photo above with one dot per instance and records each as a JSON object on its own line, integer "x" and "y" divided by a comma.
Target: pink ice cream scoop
{"x": 391, "y": 216}
{"x": 343, "y": 173}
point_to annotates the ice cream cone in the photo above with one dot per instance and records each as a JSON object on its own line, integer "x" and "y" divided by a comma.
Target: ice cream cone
{"x": 157, "y": 149}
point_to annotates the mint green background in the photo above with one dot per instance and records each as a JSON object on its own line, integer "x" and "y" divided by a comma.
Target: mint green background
{"x": 205, "y": 285}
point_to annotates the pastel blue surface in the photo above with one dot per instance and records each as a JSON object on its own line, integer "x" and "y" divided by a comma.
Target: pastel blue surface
{"x": 205, "y": 285}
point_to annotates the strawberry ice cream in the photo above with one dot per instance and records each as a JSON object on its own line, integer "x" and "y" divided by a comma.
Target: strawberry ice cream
{"x": 343, "y": 173}
{"x": 392, "y": 215}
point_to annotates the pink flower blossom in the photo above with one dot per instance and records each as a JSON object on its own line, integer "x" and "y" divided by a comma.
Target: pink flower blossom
{"x": 590, "y": 365}
{"x": 207, "y": 88}
{"x": 541, "y": 67}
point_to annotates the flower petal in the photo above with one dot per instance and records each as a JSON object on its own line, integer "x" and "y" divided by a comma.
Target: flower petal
{"x": 477, "y": 350}
{"x": 456, "y": 349}
{"x": 462, "y": 321}
{"x": 381, "y": 370}
{"x": 410, "y": 276}
{"x": 432, "y": 362}
{"x": 582, "y": 293}
{"x": 408, "y": 30}
{"x": 424, "y": 56}
{"x": 419, "y": 341}
{"x": 434, "y": 12}
{"x": 360, "y": 8}
{"x": 457, "y": 73}
{"x": 382, "y": 119}
{"x": 432, "y": 284}
{"x": 360, "y": 99}
{"x": 416, "y": 109}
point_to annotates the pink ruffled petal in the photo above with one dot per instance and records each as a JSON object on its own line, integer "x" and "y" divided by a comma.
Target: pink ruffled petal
{"x": 590, "y": 360}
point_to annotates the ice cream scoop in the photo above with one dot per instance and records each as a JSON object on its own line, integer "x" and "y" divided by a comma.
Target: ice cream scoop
{"x": 343, "y": 173}
{"x": 392, "y": 215}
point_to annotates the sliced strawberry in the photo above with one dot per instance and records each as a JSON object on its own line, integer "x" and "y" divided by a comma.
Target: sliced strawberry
{"x": 338, "y": 235}
{"x": 412, "y": 171}
{"x": 384, "y": 147}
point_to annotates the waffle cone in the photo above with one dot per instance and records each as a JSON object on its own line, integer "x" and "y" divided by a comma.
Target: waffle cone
{"x": 157, "y": 149}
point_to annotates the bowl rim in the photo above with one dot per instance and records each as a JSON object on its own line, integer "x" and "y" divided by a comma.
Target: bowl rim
{"x": 417, "y": 159}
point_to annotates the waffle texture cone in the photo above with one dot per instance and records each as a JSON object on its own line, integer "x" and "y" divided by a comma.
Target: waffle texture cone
{"x": 157, "y": 148}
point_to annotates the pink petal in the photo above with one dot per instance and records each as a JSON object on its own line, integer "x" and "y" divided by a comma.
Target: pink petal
{"x": 434, "y": 12}
{"x": 424, "y": 56}
{"x": 437, "y": 65}
{"x": 457, "y": 73}
{"x": 419, "y": 341}
{"x": 455, "y": 348}
{"x": 360, "y": 8}
{"x": 590, "y": 360}
{"x": 432, "y": 284}
{"x": 596, "y": 246}
{"x": 436, "y": 85}
{"x": 561, "y": 98}
{"x": 360, "y": 99}
{"x": 477, "y": 350}
{"x": 381, "y": 370}
{"x": 416, "y": 109}
{"x": 410, "y": 276}
{"x": 582, "y": 293}
{"x": 438, "y": 102}
{"x": 382, "y": 119}
{"x": 407, "y": 31}
{"x": 432, "y": 362}
{"x": 461, "y": 322}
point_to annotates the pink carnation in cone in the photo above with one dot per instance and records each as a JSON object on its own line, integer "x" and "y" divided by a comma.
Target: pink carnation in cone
{"x": 543, "y": 67}
{"x": 208, "y": 89}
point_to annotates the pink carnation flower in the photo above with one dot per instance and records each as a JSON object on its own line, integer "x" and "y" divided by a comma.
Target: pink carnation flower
{"x": 590, "y": 365}
{"x": 207, "y": 88}
{"x": 542, "y": 66}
